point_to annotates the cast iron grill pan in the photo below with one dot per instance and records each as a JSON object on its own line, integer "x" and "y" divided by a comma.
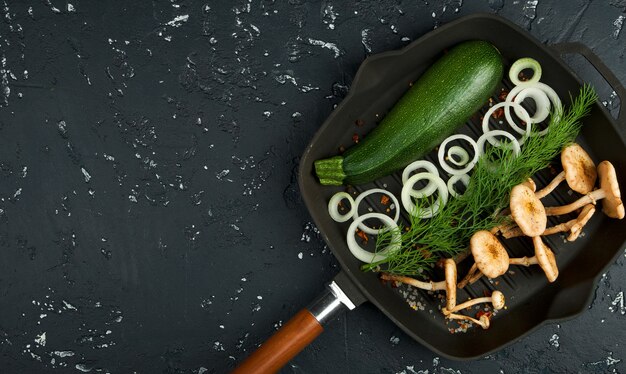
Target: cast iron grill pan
{"x": 531, "y": 300}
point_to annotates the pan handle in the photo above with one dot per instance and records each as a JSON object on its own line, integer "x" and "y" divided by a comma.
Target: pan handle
{"x": 296, "y": 334}
{"x": 596, "y": 62}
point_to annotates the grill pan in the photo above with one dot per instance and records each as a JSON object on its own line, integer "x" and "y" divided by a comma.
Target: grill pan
{"x": 380, "y": 81}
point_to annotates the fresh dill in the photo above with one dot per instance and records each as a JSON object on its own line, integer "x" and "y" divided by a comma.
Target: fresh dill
{"x": 425, "y": 241}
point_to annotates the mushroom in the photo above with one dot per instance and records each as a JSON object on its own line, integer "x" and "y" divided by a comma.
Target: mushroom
{"x": 579, "y": 171}
{"x": 574, "y": 226}
{"x": 526, "y": 207}
{"x": 527, "y": 211}
{"x": 490, "y": 258}
{"x": 496, "y": 299}
{"x": 530, "y": 215}
{"x": 544, "y": 257}
{"x": 483, "y": 321}
{"x": 608, "y": 192}
{"x": 449, "y": 284}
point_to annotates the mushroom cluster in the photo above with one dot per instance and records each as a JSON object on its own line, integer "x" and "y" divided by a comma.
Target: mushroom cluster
{"x": 529, "y": 217}
{"x": 580, "y": 173}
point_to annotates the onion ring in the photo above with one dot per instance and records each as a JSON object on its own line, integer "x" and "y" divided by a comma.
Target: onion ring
{"x": 442, "y": 199}
{"x": 521, "y": 64}
{"x": 333, "y": 207}
{"x": 468, "y": 166}
{"x": 367, "y": 256}
{"x": 542, "y": 103}
{"x": 484, "y": 137}
{"x": 430, "y": 188}
{"x": 455, "y": 150}
{"x": 525, "y": 115}
{"x": 550, "y": 93}
{"x": 464, "y": 178}
{"x": 357, "y": 202}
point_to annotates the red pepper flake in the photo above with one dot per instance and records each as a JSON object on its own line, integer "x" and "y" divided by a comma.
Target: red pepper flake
{"x": 340, "y": 206}
{"x": 384, "y": 199}
{"x": 483, "y": 313}
{"x": 503, "y": 94}
{"x": 425, "y": 254}
{"x": 498, "y": 113}
{"x": 359, "y": 123}
{"x": 552, "y": 169}
{"x": 355, "y": 138}
{"x": 363, "y": 236}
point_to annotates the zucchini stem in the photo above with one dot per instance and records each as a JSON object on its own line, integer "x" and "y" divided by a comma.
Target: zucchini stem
{"x": 330, "y": 171}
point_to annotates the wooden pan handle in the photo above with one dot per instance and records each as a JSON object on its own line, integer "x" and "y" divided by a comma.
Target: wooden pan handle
{"x": 284, "y": 345}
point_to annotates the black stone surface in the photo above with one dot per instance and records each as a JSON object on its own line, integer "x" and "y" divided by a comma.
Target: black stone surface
{"x": 150, "y": 220}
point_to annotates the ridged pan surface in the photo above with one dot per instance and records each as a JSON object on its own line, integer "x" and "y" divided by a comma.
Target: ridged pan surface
{"x": 381, "y": 80}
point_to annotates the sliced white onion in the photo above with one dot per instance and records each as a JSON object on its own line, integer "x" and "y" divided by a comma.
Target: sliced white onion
{"x": 357, "y": 202}
{"x": 524, "y": 116}
{"x": 490, "y": 134}
{"x": 521, "y": 64}
{"x": 333, "y": 207}
{"x": 441, "y": 153}
{"x": 430, "y": 188}
{"x": 542, "y": 103}
{"x": 550, "y": 93}
{"x": 517, "y": 95}
{"x": 464, "y": 178}
{"x": 461, "y": 153}
{"x": 367, "y": 256}
{"x": 441, "y": 201}
{"x": 557, "y": 106}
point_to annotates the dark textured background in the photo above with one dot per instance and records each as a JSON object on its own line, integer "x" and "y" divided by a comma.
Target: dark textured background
{"x": 150, "y": 219}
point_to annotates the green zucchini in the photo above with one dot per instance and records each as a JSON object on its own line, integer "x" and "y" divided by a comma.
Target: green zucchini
{"x": 440, "y": 101}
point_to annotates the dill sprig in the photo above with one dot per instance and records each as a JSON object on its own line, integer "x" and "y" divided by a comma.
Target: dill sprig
{"x": 425, "y": 241}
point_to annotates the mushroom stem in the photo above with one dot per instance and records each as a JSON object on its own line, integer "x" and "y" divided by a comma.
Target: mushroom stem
{"x": 551, "y": 186}
{"x": 458, "y": 258}
{"x": 584, "y": 217}
{"x": 471, "y": 273}
{"x": 449, "y": 284}
{"x": 482, "y": 322}
{"x": 429, "y": 286}
{"x": 589, "y": 198}
{"x": 544, "y": 257}
{"x": 524, "y": 261}
{"x": 496, "y": 299}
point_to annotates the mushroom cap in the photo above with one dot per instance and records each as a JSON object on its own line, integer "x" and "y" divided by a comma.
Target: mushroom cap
{"x": 546, "y": 259}
{"x": 528, "y": 211}
{"x": 450, "y": 272}
{"x": 612, "y": 203}
{"x": 580, "y": 170}
{"x": 490, "y": 256}
{"x": 498, "y": 300}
